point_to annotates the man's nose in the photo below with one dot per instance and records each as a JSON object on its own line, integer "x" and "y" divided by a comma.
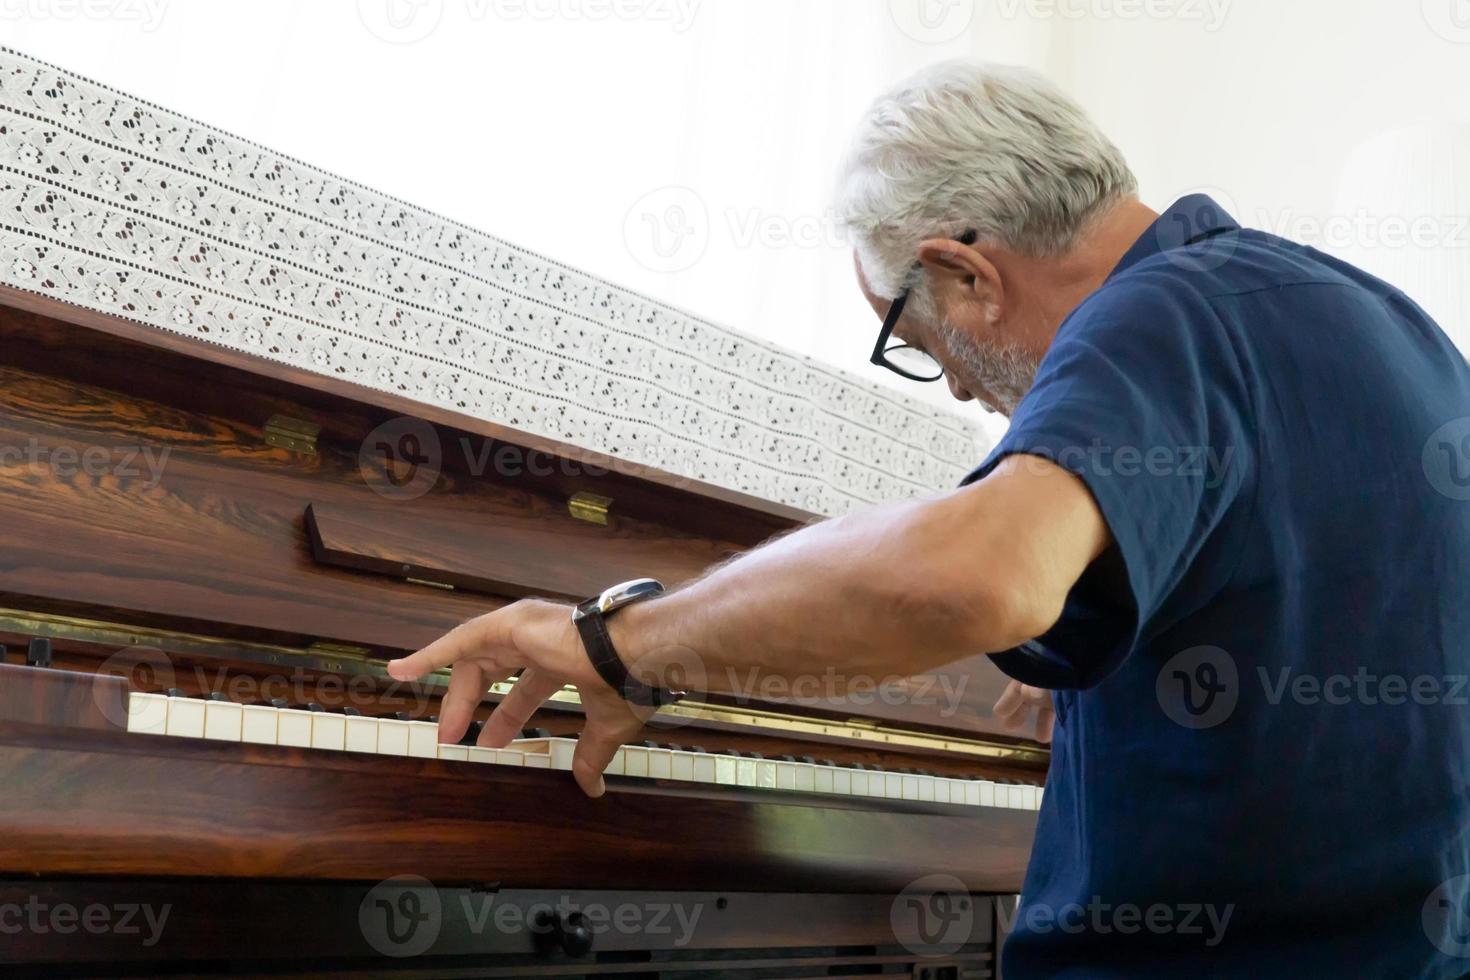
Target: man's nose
{"x": 956, "y": 389}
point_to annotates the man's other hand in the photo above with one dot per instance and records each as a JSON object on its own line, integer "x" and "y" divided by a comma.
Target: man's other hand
{"x": 1014, "y": 707}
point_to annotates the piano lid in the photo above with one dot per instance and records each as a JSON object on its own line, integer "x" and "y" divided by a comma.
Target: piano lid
{"x": 125, "y": 208}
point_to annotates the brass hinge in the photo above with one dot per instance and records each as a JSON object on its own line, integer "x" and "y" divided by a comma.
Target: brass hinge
{"x": 294, "y": 435}
{"x": 589, "y": 507}
{"x": 338, "y": 651}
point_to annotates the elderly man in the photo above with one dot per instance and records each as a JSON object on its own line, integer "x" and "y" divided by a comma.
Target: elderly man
{"x": 1228, "y": 530}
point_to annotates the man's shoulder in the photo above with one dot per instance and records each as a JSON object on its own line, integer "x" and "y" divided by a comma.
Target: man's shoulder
{"x": 1190, "y": 286}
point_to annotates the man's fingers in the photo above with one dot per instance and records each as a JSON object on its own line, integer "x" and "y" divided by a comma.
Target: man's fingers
{"x": 594, "y": 752}
{"x": 477, "y": 637}
{"x": 1009, "y": 701}
{"x": 528, "y": 693}
{"x": 466, "y": 690}
{"x": 1045, "y": 722}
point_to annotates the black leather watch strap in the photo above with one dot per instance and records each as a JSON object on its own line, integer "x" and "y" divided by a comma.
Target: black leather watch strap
{"x": 592, "y": 626}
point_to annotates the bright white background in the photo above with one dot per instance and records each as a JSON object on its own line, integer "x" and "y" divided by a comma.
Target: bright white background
{"x": 688, "y": 148}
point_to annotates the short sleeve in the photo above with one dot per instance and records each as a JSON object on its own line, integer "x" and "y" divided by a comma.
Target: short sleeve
{"x": 1143, "y": 396}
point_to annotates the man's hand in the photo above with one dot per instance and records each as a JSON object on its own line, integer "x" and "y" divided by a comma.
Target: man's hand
{"x": 539, "y": 639}
{"x": 1014, "y": 706}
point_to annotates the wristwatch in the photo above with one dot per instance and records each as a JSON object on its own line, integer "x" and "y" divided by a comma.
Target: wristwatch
{"x": 590, "y": 618}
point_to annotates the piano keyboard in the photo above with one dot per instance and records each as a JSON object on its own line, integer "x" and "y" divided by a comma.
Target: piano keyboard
{"x": 193, "y": 717}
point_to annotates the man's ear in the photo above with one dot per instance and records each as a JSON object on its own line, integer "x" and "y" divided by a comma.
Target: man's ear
{"x": 963, "y": 270}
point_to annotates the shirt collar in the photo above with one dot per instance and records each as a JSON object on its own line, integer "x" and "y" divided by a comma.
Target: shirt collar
{"x": 1188, "y": 220}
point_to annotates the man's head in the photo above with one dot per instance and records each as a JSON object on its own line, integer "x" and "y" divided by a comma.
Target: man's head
{"x": 999, "y": 157}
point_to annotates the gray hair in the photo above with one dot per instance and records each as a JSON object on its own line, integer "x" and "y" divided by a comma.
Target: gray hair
{"x": 966, "y": 145}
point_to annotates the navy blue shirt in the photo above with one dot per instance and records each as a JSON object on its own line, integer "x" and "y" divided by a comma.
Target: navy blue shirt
{"x": 1263, "y": 728}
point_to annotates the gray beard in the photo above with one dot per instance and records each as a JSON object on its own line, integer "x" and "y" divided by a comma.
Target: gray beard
{"x": 1003, "y": 372}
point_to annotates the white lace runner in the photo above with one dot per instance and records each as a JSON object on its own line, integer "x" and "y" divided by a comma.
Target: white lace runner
{"x": 119, "y": 206}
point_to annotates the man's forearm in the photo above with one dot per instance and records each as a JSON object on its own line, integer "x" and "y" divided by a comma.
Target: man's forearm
{"x": 896, "y": 590}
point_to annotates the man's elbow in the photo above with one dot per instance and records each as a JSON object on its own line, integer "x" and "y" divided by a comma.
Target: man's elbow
{"x": 1006, "y": 613}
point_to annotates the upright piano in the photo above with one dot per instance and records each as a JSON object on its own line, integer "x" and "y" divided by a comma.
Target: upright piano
{"x": 262, "y": 430}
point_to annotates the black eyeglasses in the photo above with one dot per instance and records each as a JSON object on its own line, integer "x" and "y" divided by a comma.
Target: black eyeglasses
{"x": 906, "y": 361}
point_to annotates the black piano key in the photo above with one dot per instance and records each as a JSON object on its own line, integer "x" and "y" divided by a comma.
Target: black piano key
{"x": 280, "y": 703}
{"x": 649, "y": 743}
{"x": 809, "y": 760}
{"x": 786, "y": 758}
{"x": 754, "y": 755}
{"x": 176, "y": 692}
{"x": 472, "y": 733}
{"x": 402, "y": 716}
{"x": 38, "y": 653}
{"x": 829, "y": 763}
{"x": 432, "y": 719}
{"x": 858, "y": 765}
{"x": 313, "y": 706}
{"x": 216, "y": 696}
{"x": 674, "y": 748}
{"x": 535, "y": 733}
{"x": 698, "y": 748}
{"x": 351, "y": 712}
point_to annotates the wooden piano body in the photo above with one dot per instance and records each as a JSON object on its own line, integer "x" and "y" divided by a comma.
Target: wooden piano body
{"x": 258, "y": 566}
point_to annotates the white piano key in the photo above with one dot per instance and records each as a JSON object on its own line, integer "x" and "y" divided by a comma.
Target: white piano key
{"x": 328, "y": 731}
{"x": 681, "y": 766}
{"x": 148, "y": 713}
{"x": 510, "y": 757}
{"x": 941, "y": 789}
{"x": 635, "y": 760}
{"x": 293, "y": 727}
{"x": 892, "y": 786}
{"x": 910, "y": 787}
{"x": 660, "y": 764}
{"x": 806, "y": 777}
{"x": 765, "y": 773}
{"x": 362, "y": 734}
{"x": 562, "y": 750}
{"x": 392, "y": 736}
{"x": 454, "y": 753}
{"x": 423, "y": 739}
{"x": 536, "y": 760}
{"x": 186, "y": 717}
{"x": 1040, "y": 795}
{"x": 926, "y": 788}
{"x": 615, "y": 767}
{"x": 986, "y": 792}
{"x": 258, "y": 724}
{"x": 707, "y": 768}
{"x": 222, "y": 720}
{"x": 1016, "y": 797}
{"x": 785, "y": 775}
{"x": 824, "y": 779}
{"x": 859, "y": 781}
{"x": 744, "y": 769}
{"x": 842, "y": 782}
{"x": 484, "y": 756}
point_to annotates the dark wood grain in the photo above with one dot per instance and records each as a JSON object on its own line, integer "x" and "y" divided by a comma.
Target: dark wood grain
{"x": 82, "y": 802}
{"x": 46, "y": 695}
{"x": 510, "y": 554}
